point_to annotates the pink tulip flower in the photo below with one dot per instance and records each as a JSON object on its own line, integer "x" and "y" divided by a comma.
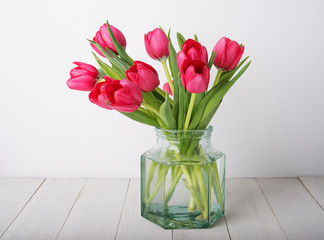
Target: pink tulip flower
{"x": 157, "y": 44}
{"x": 144, "y": 75}
{"x": 121, "y": 95}
{"x": 166, "y": 88}
{"x": 83, "y": 77}
{"x": 192, "y": 50}
{"x": 195, "y": 76}
{"x": 227, "y": 54}
{"x": 103, "y": 39}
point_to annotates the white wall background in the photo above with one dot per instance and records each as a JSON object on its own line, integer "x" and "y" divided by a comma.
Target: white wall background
{"x": 271, "y": 123}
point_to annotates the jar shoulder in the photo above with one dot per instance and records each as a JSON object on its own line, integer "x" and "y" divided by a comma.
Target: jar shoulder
{"x": 171, "y": 154}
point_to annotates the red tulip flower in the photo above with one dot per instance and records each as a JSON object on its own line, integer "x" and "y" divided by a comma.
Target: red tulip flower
{"x": 144, "y": 75}
{"x": 227, "y": 54}
{"x": 157, "y": 44}
{"x": 192, "y": 50}
{"x": 166, "y": 88}
{"x": 83, "y": 77}
{"x": 195, "y": 76}
{"x": 121, "y": 95}
{"x": 102, "y": 37}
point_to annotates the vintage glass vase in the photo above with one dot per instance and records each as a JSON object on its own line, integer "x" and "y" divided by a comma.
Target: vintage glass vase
{"x": 183, "y": 180}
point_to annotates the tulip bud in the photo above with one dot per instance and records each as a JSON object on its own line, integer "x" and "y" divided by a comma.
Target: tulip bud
{"x": 166, "y": 88}
{"x": 102, "y": 37}
{"x": 227, "y": 54}
{"x": 83, "y": 77}
{"x": 192, "y": 50}
{"x": 121, "y": 95}
{"x": 195, "y": 76}
{"x": 157, "y": 44}
{"x": 144, "y": 75}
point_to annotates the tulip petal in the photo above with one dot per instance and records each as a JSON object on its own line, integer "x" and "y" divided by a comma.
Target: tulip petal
{"x": 203, "y": 54}
{"x": 219, "y": 51}
{"x": 166, "y": 88}
{"x": 125, "y": 108}
{"x": 181, "y": 56}
{"x": 147, "y": 80}
{"x": 122, "y": 97}
{"x": 81, "y": 83}
{"x": 232, "y": 50}
{"x": 237, "y": 59}
{"x": 156, "y": 44}
{"x": 132, "y": 89}
{"x": 87, "y": 67}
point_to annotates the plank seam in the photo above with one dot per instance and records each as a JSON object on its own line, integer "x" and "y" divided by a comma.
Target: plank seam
{"x": 76, "y": 199}
{"x": 283, "y": 232}
{"x": 121, "y": 214}
{"x": 23, "y": 207}
{"x": 228, "y": 232}
{"x": 301, "y": 181}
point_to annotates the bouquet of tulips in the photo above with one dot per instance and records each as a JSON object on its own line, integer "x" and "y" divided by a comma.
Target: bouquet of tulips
{"x": 184, "y": 102}
{"x": 132, "y": 87}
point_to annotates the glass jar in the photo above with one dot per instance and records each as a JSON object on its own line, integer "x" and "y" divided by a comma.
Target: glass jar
{"x": 183, "y": 180}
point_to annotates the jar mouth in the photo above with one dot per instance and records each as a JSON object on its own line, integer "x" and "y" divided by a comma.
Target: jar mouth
{"x": 184, "y": 134}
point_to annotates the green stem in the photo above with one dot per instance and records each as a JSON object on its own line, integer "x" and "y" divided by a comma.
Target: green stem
{"x": 151, "y": 108}
{"x": 202, "y": 191}
{"x": 219, "y": 73}
{"x": 171, "y": 189}
{"x": 191, "y": 187}
{"x": 163, "y": 94}
{"x": 167, "y": 73}
{"x": 191, "y": 206}
{"x": 150, "y": 177}
{"x": 191, "y": 104}
{"x": 145, "y": 111}
{"x": 215, "y": 169}
{"x": 160, "y": 180}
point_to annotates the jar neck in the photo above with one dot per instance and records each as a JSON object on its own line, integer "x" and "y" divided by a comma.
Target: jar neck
{"x": 177, "y": 136}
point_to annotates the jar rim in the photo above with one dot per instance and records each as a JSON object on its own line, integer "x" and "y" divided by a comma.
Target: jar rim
{"x": 207, "y": 130}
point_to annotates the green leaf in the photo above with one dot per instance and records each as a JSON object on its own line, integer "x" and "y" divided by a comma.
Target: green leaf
{"x": 166, "y": 114}
{"x": 101, "y": 72}
{"x": 211, "y": 60}
{"x": 175, "y": 109}
{"x": 198, "y": 99}
{"x": 142, "y": 117}
{"x": 121, "y": 51}
{"x": 203, "y": 124}
{"x": 121, "y": 73}
{"x": 196, "y": 37}
{"x": 228, "y": 75}
{"x": 201, "y": 107}
{"x": 109, "y": 57}
{"x": 180, "y": 39}
{"x": 169, "y": 32}
{"x": 182, "y": 105}
{"x": 174, "y": 70}
{"x": 118, "y": 59}
{"x": 218, "y": 96}
{"x": 158, "y": 96}
{"x": 107, "y": 69}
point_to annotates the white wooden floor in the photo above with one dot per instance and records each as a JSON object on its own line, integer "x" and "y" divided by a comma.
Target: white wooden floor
{"x": 279, "y": 208}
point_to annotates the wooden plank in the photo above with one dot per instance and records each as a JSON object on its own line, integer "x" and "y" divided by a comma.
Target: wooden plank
{"x": 297, "y": 212}
{"x": 14, "y": 194}
{"x": 132, "y": 224}
{"x": 97, "y": 211}
{"x": 315, "y": 186}
{"x": 217, "y": 231}
{"x": 44, "y": 215}
{"x": 247, "y": 212}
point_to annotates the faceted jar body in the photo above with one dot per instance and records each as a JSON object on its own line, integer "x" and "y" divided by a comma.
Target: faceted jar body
{"x": 183, "y": 180}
